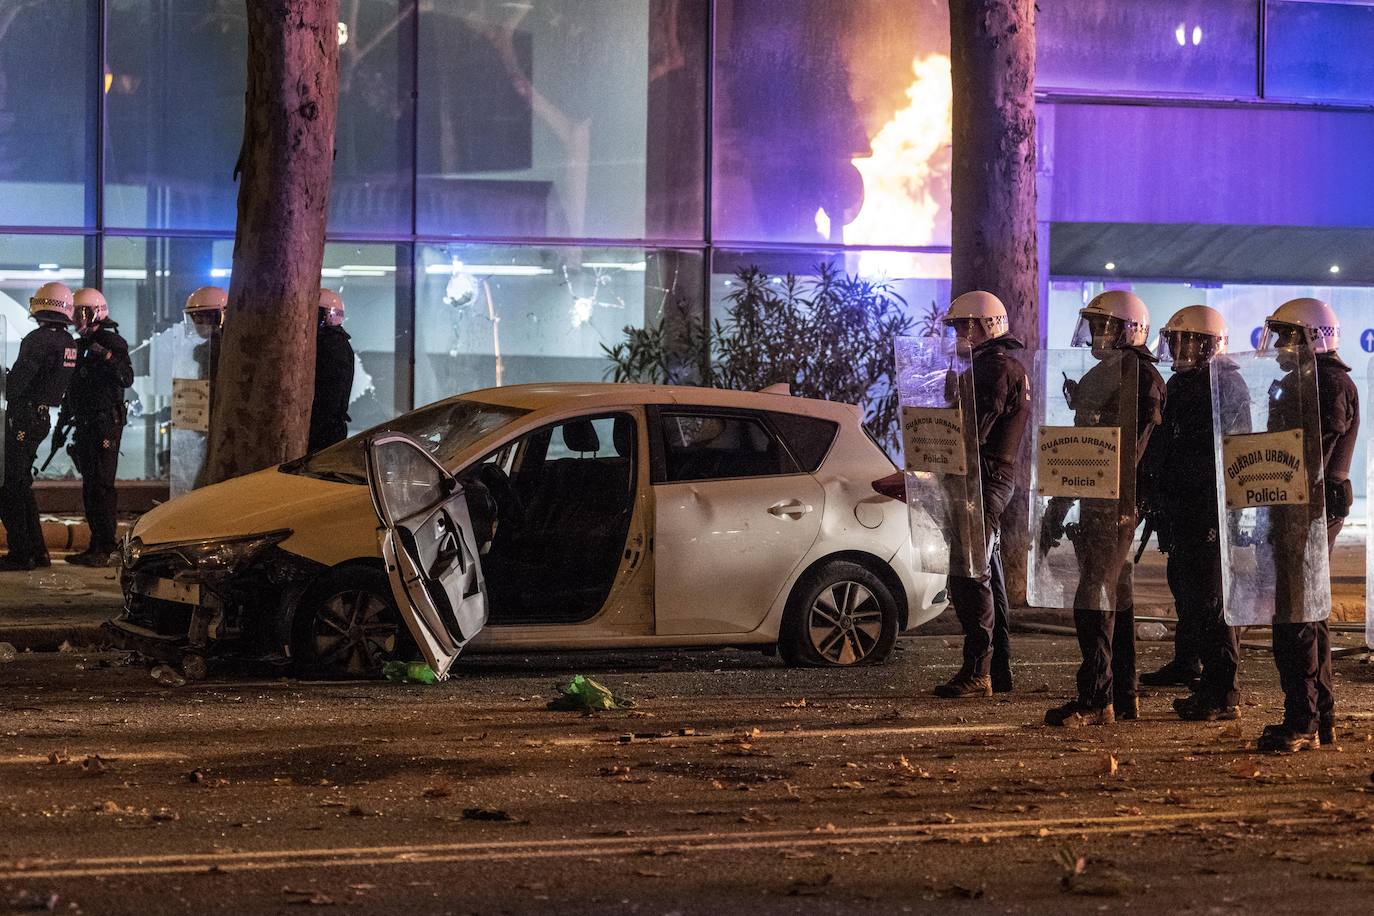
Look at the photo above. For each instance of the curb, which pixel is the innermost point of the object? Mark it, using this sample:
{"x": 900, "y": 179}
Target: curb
{"x": 50, "y": 637}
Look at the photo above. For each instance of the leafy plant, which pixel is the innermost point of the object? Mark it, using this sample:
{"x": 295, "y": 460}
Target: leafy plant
{"x": 829, "y": 336}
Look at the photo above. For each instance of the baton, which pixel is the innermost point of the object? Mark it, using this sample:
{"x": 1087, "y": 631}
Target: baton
{"x": 1145, "y": 538}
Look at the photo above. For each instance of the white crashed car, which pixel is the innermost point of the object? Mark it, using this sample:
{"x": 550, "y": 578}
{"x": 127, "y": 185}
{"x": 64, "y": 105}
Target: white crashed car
{"x": 549, "y": 517}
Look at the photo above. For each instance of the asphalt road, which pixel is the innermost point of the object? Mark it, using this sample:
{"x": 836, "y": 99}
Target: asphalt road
{"x": 733, "y": 785}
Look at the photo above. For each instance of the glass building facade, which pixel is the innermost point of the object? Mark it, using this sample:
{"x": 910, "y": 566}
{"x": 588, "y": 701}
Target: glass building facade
{"x": 515, "y": 184}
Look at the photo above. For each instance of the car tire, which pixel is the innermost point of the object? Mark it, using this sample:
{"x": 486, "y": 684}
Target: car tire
{"x": 839, "y": 615}
{"x": 347, "y": 626}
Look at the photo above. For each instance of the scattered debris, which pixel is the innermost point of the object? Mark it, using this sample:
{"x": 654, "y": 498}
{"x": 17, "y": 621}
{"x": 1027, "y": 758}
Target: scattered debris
{"x": 398, "y": 672}
{"x": 94, "y": 765}
{"x": 486, "y": 814}
{"x": 307, "y": 898}
{"x": 58, "y": 757}
{"x": 360, "y": 811}
{"x": 1245, "y": 769}
{"x": 167, "y": 676}
{"x": 804, "y": 888}
{"x": 7, "y": 653}
{"x": 586, "y": 695}
{"x": 34, "y": 901}
{"x": 1106, "y": 764}
{"x": 795, "y": 704}
{"x": 1105, "y": 881}
{"x": 436, "y": 792}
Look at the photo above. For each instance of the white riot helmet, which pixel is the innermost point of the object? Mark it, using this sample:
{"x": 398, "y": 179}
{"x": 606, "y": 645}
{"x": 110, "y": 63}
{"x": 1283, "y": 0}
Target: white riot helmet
{"x": 331, "y": 309}
{"x": 52, "y": 302}
{"x": 1192, "y": 337}
{"x": 1113, "y": 320}
{"x": 90, "y": 307}
{"x": 1298, "y": 320}
{"x": 977, "y": 309}
{"x": 205, "y": 309}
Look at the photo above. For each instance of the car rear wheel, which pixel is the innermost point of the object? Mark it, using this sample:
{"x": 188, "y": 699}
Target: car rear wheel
{"x": 840, "y": 615}
{"x": 348, "y": 626}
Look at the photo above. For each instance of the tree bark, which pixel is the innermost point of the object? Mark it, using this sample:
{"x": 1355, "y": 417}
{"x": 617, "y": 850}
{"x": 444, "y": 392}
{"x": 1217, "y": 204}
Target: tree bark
{"x": 992, "y": 52}
{"x": 264, "y": 383}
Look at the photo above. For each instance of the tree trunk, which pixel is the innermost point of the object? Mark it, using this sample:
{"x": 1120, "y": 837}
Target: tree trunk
{"x": 992, "y": 51}
{"x": 264, "y": 384}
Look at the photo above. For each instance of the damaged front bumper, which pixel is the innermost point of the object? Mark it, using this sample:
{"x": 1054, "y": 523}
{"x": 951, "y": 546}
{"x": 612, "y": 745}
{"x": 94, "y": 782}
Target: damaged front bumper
{"x": 230, "y": 597}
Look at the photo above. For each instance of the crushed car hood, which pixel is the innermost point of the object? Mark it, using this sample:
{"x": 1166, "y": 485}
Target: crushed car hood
{"x": 329, "y": 518}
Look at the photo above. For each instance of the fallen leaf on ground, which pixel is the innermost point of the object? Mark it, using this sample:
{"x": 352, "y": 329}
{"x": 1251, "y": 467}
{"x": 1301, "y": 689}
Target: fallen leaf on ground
{"x": 57, "y": 757}
{"x": 795, "y": 704}
{"x": 1245, "y": 769}
{"x": 1106, "y": 765}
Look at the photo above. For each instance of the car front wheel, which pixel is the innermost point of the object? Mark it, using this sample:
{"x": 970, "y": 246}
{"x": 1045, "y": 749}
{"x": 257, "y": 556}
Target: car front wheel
{"x": 839, "y": 616}
{"x": 348, "y": 626}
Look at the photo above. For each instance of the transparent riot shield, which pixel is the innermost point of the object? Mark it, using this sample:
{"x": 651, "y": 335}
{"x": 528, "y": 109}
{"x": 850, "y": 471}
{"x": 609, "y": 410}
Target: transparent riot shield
{"x": 1369, "y": 518}
{"x": 944, "y": 494}
{"x": 1274, "y": 565}
{"x": 4, "y": 375}
{"x": 194, "y": 358}
{"x": 1083, "y": 512}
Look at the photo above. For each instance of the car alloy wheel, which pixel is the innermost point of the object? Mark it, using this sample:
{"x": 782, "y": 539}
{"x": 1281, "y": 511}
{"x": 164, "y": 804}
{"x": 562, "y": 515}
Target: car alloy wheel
{"x": 845, "y": 622}
{"x": 353, "y": 632}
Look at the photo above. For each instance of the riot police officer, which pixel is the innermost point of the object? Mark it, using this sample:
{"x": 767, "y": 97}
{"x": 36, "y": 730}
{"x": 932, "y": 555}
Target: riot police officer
{"x": 94, "y": 406}
{"x": 1116, "y": 324}
{"x": 37, "y": 382}
{"x": 333, "y": 374}
{"x": 1182, "y": 508}
{"x": 1001, "y": 394}
{"x": 1302, "y": 650}
{"x": 205, "y": 311}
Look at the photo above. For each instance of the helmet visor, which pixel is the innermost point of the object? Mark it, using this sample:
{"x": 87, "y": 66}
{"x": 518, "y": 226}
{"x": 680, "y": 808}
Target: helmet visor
{"x": 1101, "y": 332}
{"x": 206, "y": 321}
{"x": 1187, "y": 349}
{"x": 1281, "y": 336}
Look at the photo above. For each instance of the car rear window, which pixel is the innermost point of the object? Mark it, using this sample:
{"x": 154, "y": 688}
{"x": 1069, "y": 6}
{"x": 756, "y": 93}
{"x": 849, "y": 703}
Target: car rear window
{"x": 808, "y": 438}
{"x": 710, "y": 446}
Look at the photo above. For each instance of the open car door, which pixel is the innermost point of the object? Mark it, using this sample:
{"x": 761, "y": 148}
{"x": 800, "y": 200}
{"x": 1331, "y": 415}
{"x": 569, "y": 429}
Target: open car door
{"x": 428, "y": 544}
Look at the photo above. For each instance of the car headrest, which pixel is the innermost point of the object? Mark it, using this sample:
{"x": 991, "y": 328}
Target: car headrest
{"x": 580, "y": 436}
{"x": 623, "y": 434}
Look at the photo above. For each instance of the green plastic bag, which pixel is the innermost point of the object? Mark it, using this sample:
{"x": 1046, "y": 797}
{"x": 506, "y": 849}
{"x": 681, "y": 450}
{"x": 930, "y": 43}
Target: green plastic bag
{"x": 584, "y": 694}
{"x": 409, "y": 673}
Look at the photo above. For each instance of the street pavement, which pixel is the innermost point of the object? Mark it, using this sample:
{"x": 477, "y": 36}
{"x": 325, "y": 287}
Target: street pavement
{"x": 732, "y": 785}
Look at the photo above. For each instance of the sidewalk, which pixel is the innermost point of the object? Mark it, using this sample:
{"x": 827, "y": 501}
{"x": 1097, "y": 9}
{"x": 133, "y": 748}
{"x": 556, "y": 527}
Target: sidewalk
{"x": 42, "y": 609}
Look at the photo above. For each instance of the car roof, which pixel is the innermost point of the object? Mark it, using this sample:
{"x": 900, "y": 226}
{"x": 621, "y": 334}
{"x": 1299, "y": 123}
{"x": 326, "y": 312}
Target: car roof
{"x": 592, "y": 395}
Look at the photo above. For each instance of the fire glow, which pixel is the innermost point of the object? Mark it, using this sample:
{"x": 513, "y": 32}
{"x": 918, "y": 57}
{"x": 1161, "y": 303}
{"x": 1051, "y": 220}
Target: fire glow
{"x": 899, "y": 177}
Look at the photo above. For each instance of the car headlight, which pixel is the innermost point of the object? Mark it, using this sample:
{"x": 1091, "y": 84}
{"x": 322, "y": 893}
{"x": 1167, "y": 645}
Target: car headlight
{"x": 220, "y": 556}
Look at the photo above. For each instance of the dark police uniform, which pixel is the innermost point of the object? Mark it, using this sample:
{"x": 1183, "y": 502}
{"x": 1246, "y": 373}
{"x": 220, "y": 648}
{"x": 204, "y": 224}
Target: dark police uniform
{"x": 1179, "y": 471}
{"x": 1001, "y": 393}
{"x": 333, "y": 387}
{"x": 1106, "y": 638}
{"x": 95, "y": 406}
{"x": 1302, "y": 651}
{"x": 37, "y": 382}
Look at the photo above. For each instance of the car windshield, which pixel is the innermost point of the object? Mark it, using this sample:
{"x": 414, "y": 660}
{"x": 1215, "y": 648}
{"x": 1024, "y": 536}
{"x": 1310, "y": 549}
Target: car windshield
{"x": 445, "y": 429}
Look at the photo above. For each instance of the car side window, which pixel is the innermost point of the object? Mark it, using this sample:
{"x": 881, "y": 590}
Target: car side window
{"x": 709, "y": 446}
{"x": 808, "y": 438}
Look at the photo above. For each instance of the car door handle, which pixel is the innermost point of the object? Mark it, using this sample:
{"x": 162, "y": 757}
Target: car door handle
{"x": 792, "y": 508}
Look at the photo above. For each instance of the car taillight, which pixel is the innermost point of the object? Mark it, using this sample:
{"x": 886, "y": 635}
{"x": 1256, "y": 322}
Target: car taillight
{"x": 893, "y": 486}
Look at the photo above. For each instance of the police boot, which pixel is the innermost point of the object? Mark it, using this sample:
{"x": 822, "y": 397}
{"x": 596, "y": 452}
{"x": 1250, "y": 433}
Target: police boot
{"x": 1001, "y": 676}
{"x": 13, "y": 563}
{"x": 1126, "y": 708}
{"x": 965, "y": 685}
{"x": 1171, "y": 675}
{"x": 1076, "y": 715}
{"x": 1197, "y": 708}
{"x": 1326, "y": 732}
{"x": 1280, "y": 739}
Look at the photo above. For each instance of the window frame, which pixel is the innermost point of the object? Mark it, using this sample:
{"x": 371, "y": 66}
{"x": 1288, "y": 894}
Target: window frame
{"x": 658, "y": 459}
